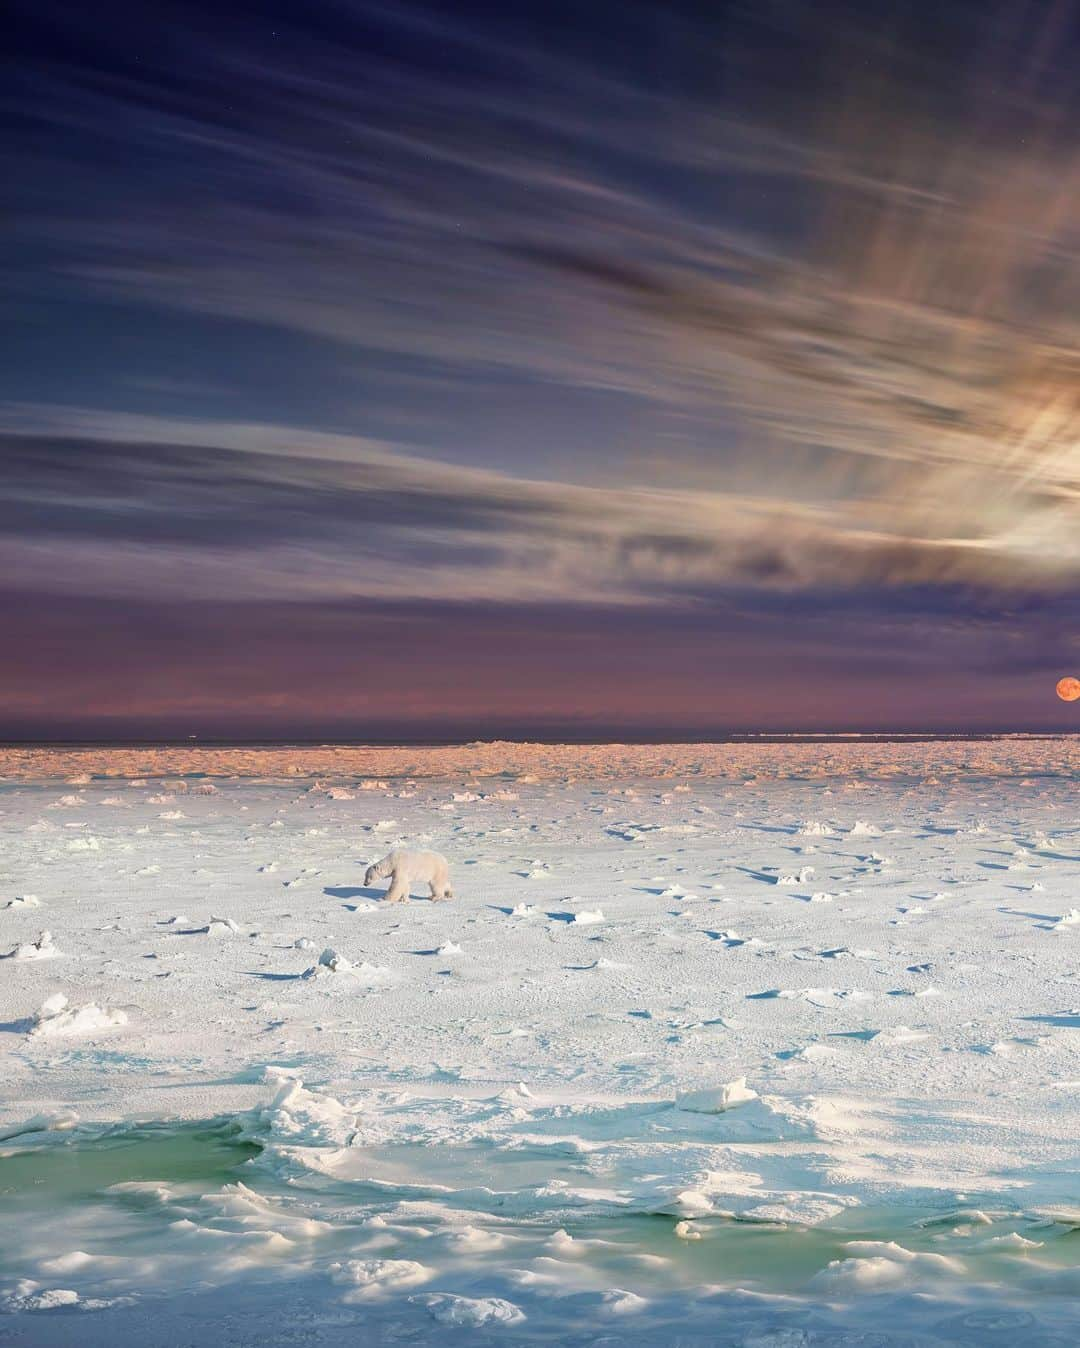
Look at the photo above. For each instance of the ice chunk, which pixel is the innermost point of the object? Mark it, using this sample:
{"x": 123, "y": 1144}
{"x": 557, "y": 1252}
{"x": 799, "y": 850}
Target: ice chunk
{"x": 716, "y": 1099}
{"x": 55, "y": 1019}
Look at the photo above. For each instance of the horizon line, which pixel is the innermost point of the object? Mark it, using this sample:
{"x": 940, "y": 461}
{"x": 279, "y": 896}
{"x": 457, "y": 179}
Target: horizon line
{"x": 549, "y": 738}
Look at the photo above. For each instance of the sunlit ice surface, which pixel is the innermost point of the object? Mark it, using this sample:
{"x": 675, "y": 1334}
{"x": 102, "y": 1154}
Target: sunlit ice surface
{"x": 761, "y": 1045}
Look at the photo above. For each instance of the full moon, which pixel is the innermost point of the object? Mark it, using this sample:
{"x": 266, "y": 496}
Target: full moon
{"x": 1068, "y": 689}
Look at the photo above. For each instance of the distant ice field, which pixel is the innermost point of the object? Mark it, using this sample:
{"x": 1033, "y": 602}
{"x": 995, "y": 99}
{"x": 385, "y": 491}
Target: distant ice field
{"x": 764, "y": 1045}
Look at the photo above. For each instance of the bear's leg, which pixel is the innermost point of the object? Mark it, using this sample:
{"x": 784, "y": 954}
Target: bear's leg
{"x": 398, "y": 891}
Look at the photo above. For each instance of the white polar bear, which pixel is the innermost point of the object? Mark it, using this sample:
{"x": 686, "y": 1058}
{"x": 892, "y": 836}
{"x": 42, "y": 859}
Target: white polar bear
{"x": 405, "y": 867}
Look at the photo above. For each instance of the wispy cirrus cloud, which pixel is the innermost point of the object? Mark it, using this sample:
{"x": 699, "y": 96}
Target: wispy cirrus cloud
{"x": 856, "y": 338}
{"x": 136, "y": 506}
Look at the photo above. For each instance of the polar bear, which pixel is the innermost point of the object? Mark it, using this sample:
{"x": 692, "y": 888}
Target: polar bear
{"x": 405, "y": 868}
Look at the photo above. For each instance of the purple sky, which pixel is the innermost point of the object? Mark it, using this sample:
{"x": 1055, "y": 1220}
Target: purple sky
{"x": 396, "y": 370}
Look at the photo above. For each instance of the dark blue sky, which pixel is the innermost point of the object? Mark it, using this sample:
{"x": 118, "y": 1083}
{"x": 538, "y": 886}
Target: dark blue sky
{"x": 377, "y": 368}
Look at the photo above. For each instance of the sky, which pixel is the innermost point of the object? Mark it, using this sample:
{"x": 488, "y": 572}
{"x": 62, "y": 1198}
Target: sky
{"x": 617, "y": 370}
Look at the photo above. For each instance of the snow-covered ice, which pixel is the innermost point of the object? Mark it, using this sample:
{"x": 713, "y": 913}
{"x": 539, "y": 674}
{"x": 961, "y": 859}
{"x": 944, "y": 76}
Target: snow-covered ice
{"x": 650, "y": 1074}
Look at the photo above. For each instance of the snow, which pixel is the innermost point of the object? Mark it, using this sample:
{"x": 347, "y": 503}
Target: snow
{"x": 367, "y": 1279}
{"x": 716, "y": 1099}
{"x": 55, "y": 1019}
{"x": 637, "y": 1005}
{"x": 471, "y": 1312}
{"x": 43, "y": 948}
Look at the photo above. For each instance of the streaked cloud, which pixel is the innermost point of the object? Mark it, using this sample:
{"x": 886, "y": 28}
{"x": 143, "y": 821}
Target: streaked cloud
{"x": 137, "y": 506}
{"x": 643, "y": 314}
{"x": 902, "y": 298}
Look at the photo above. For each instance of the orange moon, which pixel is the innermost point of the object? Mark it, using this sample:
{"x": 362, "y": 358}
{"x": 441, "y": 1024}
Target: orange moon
{"x": 1068, "y": 689}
